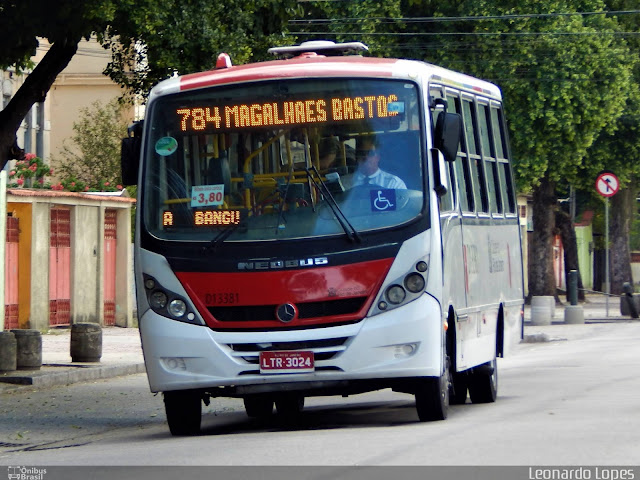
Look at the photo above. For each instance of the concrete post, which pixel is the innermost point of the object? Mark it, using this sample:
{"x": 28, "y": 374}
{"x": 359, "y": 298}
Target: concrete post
{"x": 540, "y": 310}
{"x": 7, "y": 352}
{"x": 28, "y": 349}
{"x": 573, "y": 314}
{"x": 86, "y": 342}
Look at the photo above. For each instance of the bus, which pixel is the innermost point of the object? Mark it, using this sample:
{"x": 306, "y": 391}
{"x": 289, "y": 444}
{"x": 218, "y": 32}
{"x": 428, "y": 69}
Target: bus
{"x": 325, "y": 223}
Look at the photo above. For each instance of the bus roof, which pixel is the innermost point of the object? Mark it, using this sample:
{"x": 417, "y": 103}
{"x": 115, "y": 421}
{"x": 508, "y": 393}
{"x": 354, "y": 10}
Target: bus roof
{"x": 310, "y": 65}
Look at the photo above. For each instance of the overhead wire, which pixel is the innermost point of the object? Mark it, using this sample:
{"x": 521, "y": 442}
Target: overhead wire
{"x": 461, "y": 18}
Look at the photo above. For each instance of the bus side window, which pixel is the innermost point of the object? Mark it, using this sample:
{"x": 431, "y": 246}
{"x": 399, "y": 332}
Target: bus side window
{"x": 475, "y": 160}
{"x": 489, "y": 156}
{"x": 500, "y": 141}
{"x": 461, "y": 171}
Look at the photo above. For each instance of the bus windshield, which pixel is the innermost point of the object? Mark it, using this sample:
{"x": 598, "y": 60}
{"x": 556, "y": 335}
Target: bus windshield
{"x": 284, "y": 159}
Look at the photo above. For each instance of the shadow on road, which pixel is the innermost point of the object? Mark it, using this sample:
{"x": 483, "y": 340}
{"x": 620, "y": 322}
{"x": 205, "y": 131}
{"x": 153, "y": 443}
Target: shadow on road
{"x": 360, "y": 415}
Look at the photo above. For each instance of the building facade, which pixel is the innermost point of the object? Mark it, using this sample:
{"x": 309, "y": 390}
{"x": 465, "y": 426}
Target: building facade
{"x": 68, "y": 255}
{"x": 68, "y": 259}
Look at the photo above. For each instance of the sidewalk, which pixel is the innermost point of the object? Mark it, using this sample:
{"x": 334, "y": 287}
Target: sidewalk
{"x": 122, "y": 351}
{"x": 121, "y": 355}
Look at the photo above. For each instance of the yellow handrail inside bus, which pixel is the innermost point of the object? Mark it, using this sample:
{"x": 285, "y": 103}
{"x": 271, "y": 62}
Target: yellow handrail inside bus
{"x": 247, "y": 164}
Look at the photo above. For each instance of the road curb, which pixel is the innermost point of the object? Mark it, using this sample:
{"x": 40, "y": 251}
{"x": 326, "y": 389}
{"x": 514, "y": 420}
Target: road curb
{"x": 67, "y": 374}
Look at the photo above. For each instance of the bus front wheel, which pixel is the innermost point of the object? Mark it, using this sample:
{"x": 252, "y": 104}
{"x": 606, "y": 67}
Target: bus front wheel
{"x": 432, "y": 398}
{"x": 184, "y": 412}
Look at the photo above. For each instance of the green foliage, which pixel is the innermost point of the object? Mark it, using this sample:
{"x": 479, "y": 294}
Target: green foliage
{"x": 92, "y": 161}
{"x": 72, "y": 184}
{"x": 360, "y": 21}
{"x": 164, "y": 37}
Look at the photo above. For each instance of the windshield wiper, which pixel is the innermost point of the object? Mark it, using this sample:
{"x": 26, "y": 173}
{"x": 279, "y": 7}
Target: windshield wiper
{"x": 349, "y": 229}
{"x": 219, "y": 238}
{"x": 225, "y": 233}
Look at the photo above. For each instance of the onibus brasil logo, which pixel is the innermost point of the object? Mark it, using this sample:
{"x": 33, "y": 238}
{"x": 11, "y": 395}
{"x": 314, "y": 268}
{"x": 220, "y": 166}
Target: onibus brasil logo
{"x": 26, "y": 473}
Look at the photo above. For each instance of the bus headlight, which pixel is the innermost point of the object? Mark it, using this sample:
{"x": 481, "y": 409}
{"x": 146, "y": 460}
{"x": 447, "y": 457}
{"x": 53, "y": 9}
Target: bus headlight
{"x": 167, "y": 303}
{"x": 414, "y": 282}
{"x": 158, "y": 299}
{"x": 404, "y": 288}
{"x": 177, "y": 308}
{"x": 395, "y": 294}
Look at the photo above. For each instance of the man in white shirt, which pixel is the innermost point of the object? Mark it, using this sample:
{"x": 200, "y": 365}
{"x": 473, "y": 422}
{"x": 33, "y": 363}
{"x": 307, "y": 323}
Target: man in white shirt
{"x": 368, "y": 172}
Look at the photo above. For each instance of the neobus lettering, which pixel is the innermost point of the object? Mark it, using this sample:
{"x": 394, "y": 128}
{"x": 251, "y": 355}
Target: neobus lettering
{"x": 279, "y": 264}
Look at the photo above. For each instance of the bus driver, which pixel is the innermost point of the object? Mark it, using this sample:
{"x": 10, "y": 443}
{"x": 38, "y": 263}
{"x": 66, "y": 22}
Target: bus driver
{"x": 368, "y": 172}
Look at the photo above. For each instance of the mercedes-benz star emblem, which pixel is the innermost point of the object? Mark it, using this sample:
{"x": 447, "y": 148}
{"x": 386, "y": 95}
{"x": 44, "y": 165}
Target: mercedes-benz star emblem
{"x": 286, "y": 312}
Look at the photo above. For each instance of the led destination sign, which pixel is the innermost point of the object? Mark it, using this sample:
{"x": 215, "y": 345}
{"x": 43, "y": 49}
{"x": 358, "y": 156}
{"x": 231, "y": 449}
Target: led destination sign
{"x": 299, "y": 112}
{"x": 208, "y": 218}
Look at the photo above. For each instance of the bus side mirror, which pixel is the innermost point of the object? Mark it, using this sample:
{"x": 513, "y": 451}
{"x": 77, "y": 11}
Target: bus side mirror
{"x": 447, "y": 135}
{"x": 130, "y": 154}
{"x": 440, "y": 182}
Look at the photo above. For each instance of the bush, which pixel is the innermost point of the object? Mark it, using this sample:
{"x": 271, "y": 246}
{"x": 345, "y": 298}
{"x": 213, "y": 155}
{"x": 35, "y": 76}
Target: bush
{"x": 30, "y": 173}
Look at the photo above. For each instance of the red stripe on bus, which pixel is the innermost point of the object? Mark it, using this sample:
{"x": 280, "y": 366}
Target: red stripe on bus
{"x": 300, "y": 285}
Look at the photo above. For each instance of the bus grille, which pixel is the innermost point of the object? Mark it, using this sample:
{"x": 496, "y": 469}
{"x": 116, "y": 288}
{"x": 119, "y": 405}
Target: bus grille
{"x": 256, "y": 313}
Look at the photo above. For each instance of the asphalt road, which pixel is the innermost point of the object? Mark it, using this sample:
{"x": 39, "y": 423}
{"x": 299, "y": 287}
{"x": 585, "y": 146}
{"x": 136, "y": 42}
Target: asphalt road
{"x": 573, "y": 400}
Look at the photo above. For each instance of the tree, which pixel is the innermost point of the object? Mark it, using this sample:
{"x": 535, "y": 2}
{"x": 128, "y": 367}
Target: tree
{"x": 93, "y": 158}
{"x": 368, "y": 18}
{"x": 618, "y": 150}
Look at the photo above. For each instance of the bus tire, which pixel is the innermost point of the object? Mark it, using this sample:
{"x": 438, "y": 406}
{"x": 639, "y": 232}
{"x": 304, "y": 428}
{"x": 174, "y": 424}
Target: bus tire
{"x": 289, "y": 405}
{"x": 258, "y": 406}
{"x": 432, "y": 398}
{"x": 483, "y": 383}
{"x": 458, "y": 392}
{"x": 184, "y": 412}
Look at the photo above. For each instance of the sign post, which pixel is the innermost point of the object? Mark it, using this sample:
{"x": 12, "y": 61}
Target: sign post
{"x": 607, "y": 185}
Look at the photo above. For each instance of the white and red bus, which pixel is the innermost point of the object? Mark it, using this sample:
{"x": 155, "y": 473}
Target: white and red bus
{"x": 324, "y": 224}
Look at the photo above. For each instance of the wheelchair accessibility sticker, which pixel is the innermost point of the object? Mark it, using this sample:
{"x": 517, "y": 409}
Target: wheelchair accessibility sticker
{"x": 383, "y": 200}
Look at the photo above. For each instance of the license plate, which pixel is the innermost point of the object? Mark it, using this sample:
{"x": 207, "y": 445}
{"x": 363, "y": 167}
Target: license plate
{"x": 286, "y": 362}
